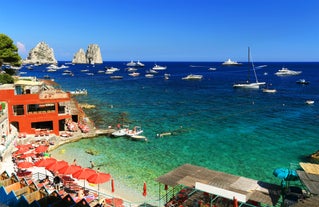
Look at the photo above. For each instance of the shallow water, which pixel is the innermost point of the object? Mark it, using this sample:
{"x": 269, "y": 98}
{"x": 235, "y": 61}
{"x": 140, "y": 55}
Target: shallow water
{"x": 243, "y": 132}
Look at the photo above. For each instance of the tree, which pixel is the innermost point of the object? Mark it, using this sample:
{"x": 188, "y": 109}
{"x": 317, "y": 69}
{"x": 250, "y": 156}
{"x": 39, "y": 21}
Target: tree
{"x": 6, "y": 78}
{"x": 8, "y": 51}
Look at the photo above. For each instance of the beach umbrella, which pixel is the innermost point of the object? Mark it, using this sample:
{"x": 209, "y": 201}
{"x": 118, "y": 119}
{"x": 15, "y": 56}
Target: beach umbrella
{"x": 99, "y": 178}
{"x": 83, "y": 174}
{"x": 21, "y": 151}
{"x": 31, "y": 154}
{"x": 56, "y": 166}
{"x": 41, "y": 149}
{"x": 45, "y": 162}
{"x": 25, "y": 164}
{"x": 112, "y": 185}
{"x": 69, "y": 169}
{"x": 144, "y": 189}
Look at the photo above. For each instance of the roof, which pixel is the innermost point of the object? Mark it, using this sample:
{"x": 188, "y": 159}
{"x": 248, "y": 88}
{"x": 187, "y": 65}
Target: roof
{"x": 205, "y": 179}
{"x": 28, "y": 83}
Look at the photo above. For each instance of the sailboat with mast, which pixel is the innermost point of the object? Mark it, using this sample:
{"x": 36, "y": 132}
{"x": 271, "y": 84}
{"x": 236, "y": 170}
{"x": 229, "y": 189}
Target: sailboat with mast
{"x": 248, "y": 84}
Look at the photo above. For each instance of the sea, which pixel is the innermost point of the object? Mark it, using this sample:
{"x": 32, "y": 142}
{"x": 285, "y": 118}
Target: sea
{"x": 244, "y": 132}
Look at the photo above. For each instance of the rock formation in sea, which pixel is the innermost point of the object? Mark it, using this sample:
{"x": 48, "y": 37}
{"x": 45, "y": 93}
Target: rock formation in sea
{"x": 41, "y": 54}
{"x": 79, "y": 57}
{"x": 92, "y": 55}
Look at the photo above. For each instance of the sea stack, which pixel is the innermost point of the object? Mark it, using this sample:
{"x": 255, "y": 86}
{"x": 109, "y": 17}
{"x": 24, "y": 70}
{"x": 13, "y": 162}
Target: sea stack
{"x": 41, "y": 54}
{"x": 92, "y": 55}
{"x": 79, "y": 57}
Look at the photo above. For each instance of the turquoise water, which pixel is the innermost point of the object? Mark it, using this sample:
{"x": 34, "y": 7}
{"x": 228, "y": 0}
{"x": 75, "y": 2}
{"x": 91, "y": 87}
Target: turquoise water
{"x": 243, "y": 132}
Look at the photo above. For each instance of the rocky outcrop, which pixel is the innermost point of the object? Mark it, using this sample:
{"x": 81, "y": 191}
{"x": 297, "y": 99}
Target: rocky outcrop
{"x": 41, "y": 54}
{"x": 92, "y": 55}
{"x": 79, "y": 57}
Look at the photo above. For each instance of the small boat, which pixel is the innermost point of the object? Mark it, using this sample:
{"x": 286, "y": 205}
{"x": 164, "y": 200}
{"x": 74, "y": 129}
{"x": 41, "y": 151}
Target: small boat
{"x": 193, "y": 77}
{"x": 84, "y": 70}
{"x": 158, "y": 67}
{"x": 211, "y": 68}
{"x": 166, "y": 76}
{"x": 137, "y": 130}
{"x": 131, "y": 64}
{"x": 134, "y": 74}
{"x": 267, "y": 90}
{"x": 138, "y": 138}
{"x": 247, "y": 84}
{"x": 302, "y": 81}
{"x": 285, "y": 72}
{"x": 148, "y": 75}
{"x": 116, "y": 77}
{"x": 131, "y": 69}
{"x": 120, "y": 133}
{"x": 310, "y": 102}
{"x": 229, "y": 62}
{"x": 111, "y": 69}
{"x": 139, "y": 64}
{"x": 79, "y": 92}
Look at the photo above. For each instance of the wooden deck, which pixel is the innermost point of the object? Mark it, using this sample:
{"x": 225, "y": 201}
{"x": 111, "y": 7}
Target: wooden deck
{"x": 251, "y": 190}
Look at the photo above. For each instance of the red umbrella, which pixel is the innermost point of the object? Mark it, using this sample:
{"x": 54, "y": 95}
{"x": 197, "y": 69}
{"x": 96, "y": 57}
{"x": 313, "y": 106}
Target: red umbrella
{"x": 31, "y": 154}
{"x": 99, "y": 178}
{"x": 45, "y": 162}
{"x": 56, "y": 166}
{"x": 23, "y": 165}
{"x": 69, "y": 169}
{"x": 84, "y": 173}
{"x": 41, "y": 149}
{"x": 144, "y": 189}
{"x": 21, "y": 151}
{"x": 112, "y": 186}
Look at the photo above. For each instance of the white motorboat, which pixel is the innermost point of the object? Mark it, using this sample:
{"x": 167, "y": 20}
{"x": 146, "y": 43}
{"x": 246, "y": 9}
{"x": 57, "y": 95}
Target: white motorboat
{"x": 285, "y": 71}
{"x": 159, "y": 67}
{"x": 116, "y": 77}
{"x": 229, "y": 62}
{"x": 247, "y": 84}
{"x": 79, "y": 92}
{"x": 131, "y": 64}
{"x": 139, "y": 138}
{"x": 134, "y": 74}
{"x": 139, "y": 64}
{"x": 149, "y": 75}
{"x": 166, "y": 76}
{"x": 310, "y": 102}
{"x": 120, "y": 132}
{"x": 193, "y": 77}
{"x": 267, "y": 90}
{"x": 302, "y": 81}
{"x": 112, "y": 69}
{"x": 137, "y": 130}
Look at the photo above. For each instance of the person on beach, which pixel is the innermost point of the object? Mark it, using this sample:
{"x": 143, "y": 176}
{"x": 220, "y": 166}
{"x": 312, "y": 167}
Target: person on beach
{"x": 56, "y": 182}
{"x": 92, "y": 164}
{"x": 74, "y": 162}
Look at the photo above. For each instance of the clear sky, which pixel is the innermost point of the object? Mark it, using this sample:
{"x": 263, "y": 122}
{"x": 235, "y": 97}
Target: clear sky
{"x": 167, "y": 30}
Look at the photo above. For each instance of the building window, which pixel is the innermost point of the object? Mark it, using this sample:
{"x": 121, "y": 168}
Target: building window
{"x": 18, "y": 110}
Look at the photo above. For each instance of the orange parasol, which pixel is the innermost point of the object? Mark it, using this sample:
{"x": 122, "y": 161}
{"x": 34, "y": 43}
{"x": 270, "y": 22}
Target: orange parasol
{"x": 41, "y": 149}
{"x": 45, "y": 162}
{"x": 56, "y": 166}
{"x": 24, "y": 165}
{"x": 144, "y": 189}
{"x": 69, "y": 169}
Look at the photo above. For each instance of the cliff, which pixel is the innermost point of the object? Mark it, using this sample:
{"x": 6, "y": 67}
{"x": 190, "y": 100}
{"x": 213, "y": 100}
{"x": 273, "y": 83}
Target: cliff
{"x": 41, "y": 54}
{"x": 92, "y": 55}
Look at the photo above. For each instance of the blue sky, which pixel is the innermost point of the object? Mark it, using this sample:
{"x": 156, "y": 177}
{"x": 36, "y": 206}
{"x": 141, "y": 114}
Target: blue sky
{"x": 167, "y": 30}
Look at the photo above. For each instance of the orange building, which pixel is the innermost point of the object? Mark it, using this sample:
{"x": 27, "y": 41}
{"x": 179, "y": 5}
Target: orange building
{"x": 35, "y": 105}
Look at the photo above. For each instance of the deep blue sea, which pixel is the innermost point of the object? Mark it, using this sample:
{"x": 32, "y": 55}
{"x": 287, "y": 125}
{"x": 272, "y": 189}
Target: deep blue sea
{"x": 238, "y": 131}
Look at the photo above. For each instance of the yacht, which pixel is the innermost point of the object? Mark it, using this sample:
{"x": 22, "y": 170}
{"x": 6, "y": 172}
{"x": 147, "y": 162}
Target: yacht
{"x": 158, "y": 67}
{"x": 229, "y": 62}
{"x": 286, "y": 71}
{"x": 139, "y": 64}
{"x": 131, "y": 64}
{"x": 193, "y": 77}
